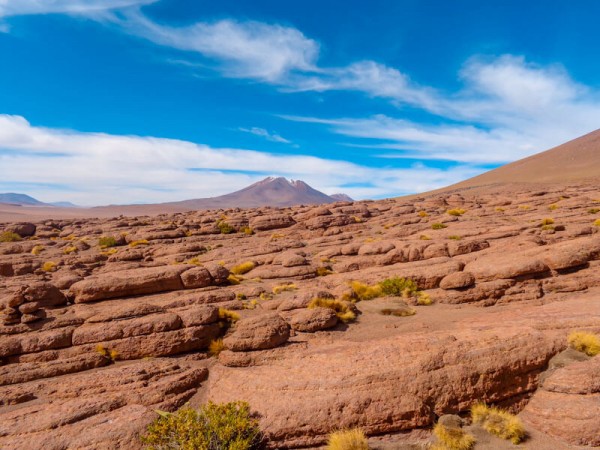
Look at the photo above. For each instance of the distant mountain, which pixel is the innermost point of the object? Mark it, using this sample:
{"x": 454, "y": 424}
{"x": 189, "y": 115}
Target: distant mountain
{"x": 341, "y": 198}
{"x": 25, "y": 200}
{"x": 269, "y": 192}
{"x": 19, "y": 199}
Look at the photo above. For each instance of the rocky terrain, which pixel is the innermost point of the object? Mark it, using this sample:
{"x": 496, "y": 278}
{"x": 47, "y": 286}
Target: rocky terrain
{"x": 106, "y": 320}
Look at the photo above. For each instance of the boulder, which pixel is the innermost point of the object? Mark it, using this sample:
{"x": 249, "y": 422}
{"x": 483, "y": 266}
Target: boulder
{"x": 311, "y": 320}
{"x": 457, "y": 280}
{"x": 258, "y": 333}
{"x": 271, "y": 222}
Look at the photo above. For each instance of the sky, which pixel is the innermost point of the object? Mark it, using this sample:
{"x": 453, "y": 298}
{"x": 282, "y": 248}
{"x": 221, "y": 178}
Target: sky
{"x": 146, "y": 101}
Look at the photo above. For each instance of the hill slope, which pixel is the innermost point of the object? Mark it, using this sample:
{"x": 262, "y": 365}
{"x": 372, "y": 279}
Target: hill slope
{"x": 575, "y": 160}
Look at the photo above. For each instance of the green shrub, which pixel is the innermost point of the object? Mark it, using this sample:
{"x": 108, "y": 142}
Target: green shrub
{"x": 399, "y": 287}
{"x": 107, "y": 242}
{"x": 227, "y": 426}
{"x": 9, "y": 236}
{"x": 224, "y": 227}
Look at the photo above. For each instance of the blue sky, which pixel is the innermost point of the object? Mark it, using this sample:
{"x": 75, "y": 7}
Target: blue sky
{"x": 121, "y": 101}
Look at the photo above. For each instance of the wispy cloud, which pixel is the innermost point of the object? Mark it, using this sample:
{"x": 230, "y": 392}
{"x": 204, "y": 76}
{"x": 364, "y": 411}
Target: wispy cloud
{"x": 98, "y": 168}
{"x": 85, "y": 7}
{"x": 273, "y": 137}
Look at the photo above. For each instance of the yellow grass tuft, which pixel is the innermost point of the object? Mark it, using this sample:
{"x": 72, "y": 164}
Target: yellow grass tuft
{"x": 424, "y": 237}
{"x": 553, "y": 207}
{"x": 243, "y": 268}
{"x": 424, "y": 299}
{"x": 227, "y": 315}
{"x": 450, "y": 438}
{"x": 587, "y": 343}
{"x": 215, "y": 347}
{"x": 547, "y": 221}
{"x": 70, "y": 249}
{"x": 195, "y": 261}
{"x": 398, "y": 312}
{"x": 234, "y": 280}
{"x": 138, "y": 243}
{"x": 49, "y": 266}
{"x": 323, "y": 271}
{"x": 597, "y": 222}
{"x": 37, "y": 250}
{"x": 423, "y": 214}
{"x": 342, "y": 310}
{"x": 456, "y": 211}
{"x": 363, "y": 291}
{"x": 438, "y": 226}
{"x": 498, "y": 422}
{"x": 284, "y": 287}
{"x": 9, "y": 236}
{"x": 352, "y": 439}
{"x": 500, "y": 209}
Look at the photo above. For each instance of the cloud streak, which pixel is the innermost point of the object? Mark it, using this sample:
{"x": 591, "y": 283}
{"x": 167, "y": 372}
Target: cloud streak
{"x": 99, "y": 168}
{"x": 261, "y": 132}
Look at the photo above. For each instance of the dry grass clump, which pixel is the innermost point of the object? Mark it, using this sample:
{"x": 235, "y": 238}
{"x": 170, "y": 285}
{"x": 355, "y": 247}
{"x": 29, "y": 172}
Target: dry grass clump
{"x": 399, "y": 287}
{"x": 342, "y": 309}
{"x": 113, "y": 355}
{"x": 363, "y": 291}
{"x": 37, "y": 250}
{"x": 438, "y": 226}
{"x": 553, "y": 207}
{"x": 214, "y": 426}
{"x": 247, "y": 231}
{"x": 234, "y": 280}
{"x": 455, "y": 237}
{"x": 424, "y": 299}
{"x": 423, "y": 214}
{"x": 284, "y": 287}
{"x": 587, "y": 343}
{"x": 498, "y": 422}
{"x": 456, "y": 211}
{"x": 224, "y": 227}
{"x": 547, "y": 221}
{"x": 215, "y": 347}
{"x": 49, "y": 266}
{"x": 138, "y": 243}
{"x": 107, "y": 242}
{"x": 243, "y": 268}
{"x": 597, "y": 222}
{"x": 9, "y": 236}
{"x": 110, "y": 251}
{"x": 424, "y": 237}
{"x": 398, "y": 312}
{"x": 195, "y": 261}
{"x": 498, "y": 209}
{"x": 450, "y": 438}
{"x": 593, "y": 210}
{"x": 323, "y": 271}
{"x": 352, "y": 439}
{"x": 70, "y": 249}
{"x": 228, "y": 316}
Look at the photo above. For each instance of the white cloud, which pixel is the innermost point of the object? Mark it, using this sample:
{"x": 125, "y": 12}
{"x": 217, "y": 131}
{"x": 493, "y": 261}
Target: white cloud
{"x": 273, "y": 137}
{"x": 507, "y": 109}
{"x": 85, "y": 7}
{"x": 247, "y": 49}
{"x": 98, "y": 168}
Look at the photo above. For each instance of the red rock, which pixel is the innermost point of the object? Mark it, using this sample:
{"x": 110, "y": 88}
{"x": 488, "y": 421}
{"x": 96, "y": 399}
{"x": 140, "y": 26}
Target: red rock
{"x": 197, "y": 277}
{"x": 457, "y": 280}
{"x": 271, "y": 222}
{"x": 258, "y": 333}
{"x": 311, "y": 320}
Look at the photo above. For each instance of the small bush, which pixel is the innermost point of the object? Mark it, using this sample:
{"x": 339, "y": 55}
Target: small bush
{"x": 353, "y": 439}
{"x": 70, "y": 249}
{"x": 215, "y": 347}
{"x": 227, "y": 316}
{"x": 456, "y": 212}
{"x": 107, "y": 242}
{"x": 49, "y": 266}
{"x": 547, "y": 221}
{"x": 597, "y": 222}
{"x": 224, "y": 227}
{"x": 398, "y": 312}
{"x": 247, "y": 230}
{"x": 342, "y": 310}
{"x": 9, "y": 236}
{"x": 399, "y": 287}
{"x": 323, "y": 271}
{"x": 227, "y": 426}
{"x": 363, "y": 291}
{"x": 37, "y": 250}
{"x": 243, "y": 268}
{"x": 455, "y": 237}
{"x": 438, "y": 226}
{"x": 498, "y": 422}
{"x": 593, "y": 210}
{"x": 450, "y": 438}
{"x": 138, "y": 243}
{"x": 424, "y": 299}
{"x": 423, "y": 214}
{"x": 587, "y": 343}
{"x": 284, "y": 287}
